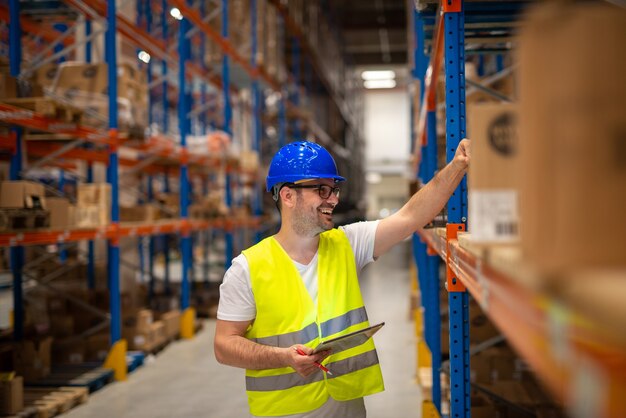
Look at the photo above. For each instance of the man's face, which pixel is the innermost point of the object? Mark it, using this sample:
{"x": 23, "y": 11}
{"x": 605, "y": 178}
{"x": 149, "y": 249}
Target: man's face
{"x": 313, "y": 214}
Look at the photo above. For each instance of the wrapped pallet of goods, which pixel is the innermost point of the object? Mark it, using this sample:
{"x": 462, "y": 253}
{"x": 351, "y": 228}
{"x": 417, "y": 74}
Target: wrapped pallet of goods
{"x": 86, "y": 86}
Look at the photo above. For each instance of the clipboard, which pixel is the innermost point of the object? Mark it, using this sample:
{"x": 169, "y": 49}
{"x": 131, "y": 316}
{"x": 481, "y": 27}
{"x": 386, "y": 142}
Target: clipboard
{"x": 347, "y": 341}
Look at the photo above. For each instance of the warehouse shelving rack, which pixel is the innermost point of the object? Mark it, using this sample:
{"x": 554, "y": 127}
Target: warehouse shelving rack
{"x": 579, "y": 359}
{"x": 104, "y": 146}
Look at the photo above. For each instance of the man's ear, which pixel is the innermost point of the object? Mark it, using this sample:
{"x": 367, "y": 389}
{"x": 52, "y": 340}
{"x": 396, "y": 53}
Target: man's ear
{"x": 288, "y": 197}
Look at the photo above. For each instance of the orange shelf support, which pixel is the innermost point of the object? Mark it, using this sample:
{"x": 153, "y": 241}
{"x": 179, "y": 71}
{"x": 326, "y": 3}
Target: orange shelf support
{"x": 453, "y": 282}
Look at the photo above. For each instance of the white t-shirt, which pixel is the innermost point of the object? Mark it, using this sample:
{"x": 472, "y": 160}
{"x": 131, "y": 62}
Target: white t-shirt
{"x": 236, "y": 298}
{"x": 237, "y": 302}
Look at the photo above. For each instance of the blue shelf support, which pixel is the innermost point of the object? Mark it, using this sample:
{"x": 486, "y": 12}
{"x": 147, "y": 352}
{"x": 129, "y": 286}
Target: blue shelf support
{"x": 184, "y": 107}
{"x": 183, "y": 110}
{"x": 151, "y": 241}
{"x": 427, "y": 265}
{"x": 17, "y": 253}
{"x": 457, "y": 213}
{"x": 228, "y": 236}
{"x": 257, "y": 127}
{"x": 297, "y": 75}
{"x": 282, "y": 120}
{"x": 91, "y": 252}
{"x": 117, "y": 356}
{"x": 165, "y": 242}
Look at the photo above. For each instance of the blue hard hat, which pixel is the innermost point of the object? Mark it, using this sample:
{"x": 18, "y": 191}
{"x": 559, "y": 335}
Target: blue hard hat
{"x": 301, "y": 160}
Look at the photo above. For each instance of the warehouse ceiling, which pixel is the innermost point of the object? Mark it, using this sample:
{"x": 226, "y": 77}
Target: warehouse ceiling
{"x": 373, "y": 32}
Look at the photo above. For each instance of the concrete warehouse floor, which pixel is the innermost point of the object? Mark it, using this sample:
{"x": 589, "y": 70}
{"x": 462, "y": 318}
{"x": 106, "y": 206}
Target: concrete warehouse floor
{"x": 185, "y": 380}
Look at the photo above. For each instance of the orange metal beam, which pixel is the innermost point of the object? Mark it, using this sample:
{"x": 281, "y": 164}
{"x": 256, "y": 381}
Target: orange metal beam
{"x": 29, "y": 119}
{"x": 30, "y": 27}
{"x": 524, "y": 317}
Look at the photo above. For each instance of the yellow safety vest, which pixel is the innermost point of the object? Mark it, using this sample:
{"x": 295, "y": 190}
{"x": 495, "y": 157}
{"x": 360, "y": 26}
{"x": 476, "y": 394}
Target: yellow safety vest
{"x": 287, "y": 315}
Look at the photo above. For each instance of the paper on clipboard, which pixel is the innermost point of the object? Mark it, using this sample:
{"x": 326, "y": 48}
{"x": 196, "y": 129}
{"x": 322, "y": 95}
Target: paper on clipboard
{"x": 347, "y": 341}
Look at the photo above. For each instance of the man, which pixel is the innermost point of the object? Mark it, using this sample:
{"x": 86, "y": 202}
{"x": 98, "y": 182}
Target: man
{"x": 285, "y": 294}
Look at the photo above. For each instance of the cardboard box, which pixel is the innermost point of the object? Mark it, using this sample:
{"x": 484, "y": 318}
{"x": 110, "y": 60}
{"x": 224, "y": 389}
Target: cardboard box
{"x": 157, "y": 331}
{"x": 61, "y": 216}
{"x": 22, "y": 194}
{"x": 8, "y": 86}
{"x": 572, "y": 148}
{"x": 91, "y": 216}
{"x": 31, "y": 359}
{"x": 11, "y": 395}
{"x": 171, "y": 320}
{"x": 62, "y": 325}
{"x": 94, "y": 194}
{"x": 493, "y": 211}
{"x": 144, "y": 320}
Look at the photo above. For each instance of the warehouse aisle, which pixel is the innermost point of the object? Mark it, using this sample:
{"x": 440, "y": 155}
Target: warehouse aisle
{"x": 186, "y": 381}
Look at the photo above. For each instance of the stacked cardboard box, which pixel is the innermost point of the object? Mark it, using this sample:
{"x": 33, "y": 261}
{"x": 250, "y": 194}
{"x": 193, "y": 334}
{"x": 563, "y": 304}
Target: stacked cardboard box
{"x": 62, "y": 212}
{"x": 171, "y": 321}
{"x": 31, "y": 358}
{"x": 86, "y": 86}
{"x": 22, "y": 194}
{"x": 11, "y": 394}
{"x": 23, "y": 205}
{"x": 493, "y": 211}
{"x": 572, "y": 144}
{"x": 93, "y": 205}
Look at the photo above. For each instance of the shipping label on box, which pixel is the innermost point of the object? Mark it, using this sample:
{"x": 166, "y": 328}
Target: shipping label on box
{"x": 493, "y": 215}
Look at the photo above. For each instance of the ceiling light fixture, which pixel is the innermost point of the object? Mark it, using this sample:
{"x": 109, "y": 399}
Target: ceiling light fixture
{"x": 378, "y": 75}
{"x": 379, "y": 84}
{"x": 176, "y": 14}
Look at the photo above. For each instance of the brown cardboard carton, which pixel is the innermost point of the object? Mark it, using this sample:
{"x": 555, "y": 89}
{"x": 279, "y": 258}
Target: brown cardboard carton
{"x": 60, "y": 213}
{"x": 144, "y": 320}
{"x": 171, "y": 320}
{"x": 8, "y": 86}
{"x": 493, "y": 211}
{"x": 94, "y": 194}
{"x": 31, "y": 359}
{"x": 572, "y": 136}
{"x": 11, "y": 395}
{"x": 22, "y": 194}
{"x": 157, "y": 331}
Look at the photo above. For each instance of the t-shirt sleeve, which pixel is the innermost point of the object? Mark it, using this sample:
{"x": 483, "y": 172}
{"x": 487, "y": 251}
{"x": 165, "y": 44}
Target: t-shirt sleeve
{"x": 361, "y": 236}
{"x": 236, "y": 298}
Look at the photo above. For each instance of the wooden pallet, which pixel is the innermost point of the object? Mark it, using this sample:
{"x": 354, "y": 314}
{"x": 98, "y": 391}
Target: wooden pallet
{"x": 23, "y": 219}
{"x": 48, "y": 107}
{"x": 47, "y": 402}
{"x": 88, "y": 375}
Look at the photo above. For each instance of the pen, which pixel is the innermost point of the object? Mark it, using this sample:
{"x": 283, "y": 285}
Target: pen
{"x": 302, "y": 353}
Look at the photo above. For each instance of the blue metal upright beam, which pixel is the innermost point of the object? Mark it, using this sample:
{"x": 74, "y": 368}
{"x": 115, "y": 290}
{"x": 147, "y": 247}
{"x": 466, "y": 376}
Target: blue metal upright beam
{"x": 184, "y": 106}
{"x": 151, "y": 249}
{"x": 427, "y": 265}
{"x": 455, "y": 131}
{"x": 297, "y": 76}
{"x": 164, "y": 12}
{"x": 228, "y": 236}
{"x": 91, "y": 255}
{"x": 17, "y": 253}
{"x": 165, "y": 243}
{"x": 112, "y": 176}
{"x": 257, "y": 197}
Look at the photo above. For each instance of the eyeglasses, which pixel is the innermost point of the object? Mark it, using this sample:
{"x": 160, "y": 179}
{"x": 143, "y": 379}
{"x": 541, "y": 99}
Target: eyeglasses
{"x": 323, "y": 190}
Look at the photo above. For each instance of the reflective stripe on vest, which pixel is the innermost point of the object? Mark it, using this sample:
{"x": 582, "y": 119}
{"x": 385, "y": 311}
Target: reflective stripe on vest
{"x": 340, "y": 323}
{"x": 289, "y": 380}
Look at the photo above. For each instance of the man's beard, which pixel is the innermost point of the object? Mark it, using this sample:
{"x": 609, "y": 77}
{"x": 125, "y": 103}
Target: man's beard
{"x": 308, "y": 221}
